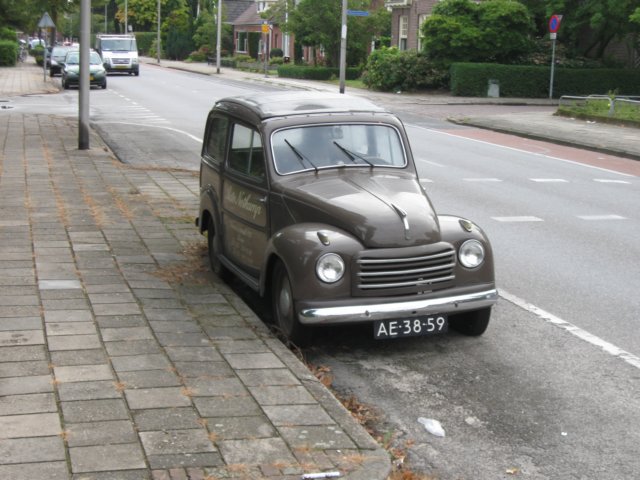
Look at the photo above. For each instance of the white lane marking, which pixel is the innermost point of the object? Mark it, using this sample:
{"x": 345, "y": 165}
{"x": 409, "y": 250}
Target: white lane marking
{"x": 518, "y": 219}
{"x": 608, "y": 180}
{"x": 426, "y": 180}
{"x": 601, "y": 217}
{"x": 522, "y": 151}
{"x": 481, "y": 180}
{"x": 435, "y": 164}
{"x": 609, "y": 348}
{"x": 192, "y": 137}
{"x": 549, "y": 180}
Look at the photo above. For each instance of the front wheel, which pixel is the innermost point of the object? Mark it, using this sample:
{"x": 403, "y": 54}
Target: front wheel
{"x": 473, "y": 323}
{"x": 213, "y": 244}
{"x": 284, "y": 313}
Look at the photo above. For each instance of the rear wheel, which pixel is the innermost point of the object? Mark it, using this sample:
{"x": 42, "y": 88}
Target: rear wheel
{"x": 473, "y": 323}
{"x": 213, "y": 243}
{"x": 284, "y": 313}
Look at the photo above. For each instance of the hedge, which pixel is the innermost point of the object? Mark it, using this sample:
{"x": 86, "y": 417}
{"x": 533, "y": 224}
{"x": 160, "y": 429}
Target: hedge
{"x": 316, "y": 73}
{"x": 471, "y": 80}
{"x": 8, "y": 53}
{"x": 145, "y": 40}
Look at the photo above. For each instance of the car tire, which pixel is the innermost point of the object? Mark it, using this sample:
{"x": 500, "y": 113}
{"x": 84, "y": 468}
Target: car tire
{"x": 104, "y": 85}
{"x": 283, "y": 306}
{"x": 473, "y": 323}
{"x": 213, "y": 244}
{"x": 65, "y": 85}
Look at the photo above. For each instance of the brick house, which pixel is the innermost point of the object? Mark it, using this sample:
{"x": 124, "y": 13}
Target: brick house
{"x": 406, "y": 18}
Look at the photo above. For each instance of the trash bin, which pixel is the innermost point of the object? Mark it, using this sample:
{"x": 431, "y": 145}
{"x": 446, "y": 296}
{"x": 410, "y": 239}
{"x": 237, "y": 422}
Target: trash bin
{"x": 493, "y": 89}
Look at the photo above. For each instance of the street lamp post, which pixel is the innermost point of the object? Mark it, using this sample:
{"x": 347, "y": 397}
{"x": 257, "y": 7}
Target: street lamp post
{"x": 158, "y": 46}
{"x": 219, "y": 35}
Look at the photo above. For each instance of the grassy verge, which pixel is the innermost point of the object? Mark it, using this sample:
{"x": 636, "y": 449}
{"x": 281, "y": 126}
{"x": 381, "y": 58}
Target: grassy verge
{"x": 600, "y": 110}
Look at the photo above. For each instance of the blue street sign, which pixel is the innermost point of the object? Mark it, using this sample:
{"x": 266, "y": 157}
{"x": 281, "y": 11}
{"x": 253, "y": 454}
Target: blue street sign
{"x": 358, "y": 13}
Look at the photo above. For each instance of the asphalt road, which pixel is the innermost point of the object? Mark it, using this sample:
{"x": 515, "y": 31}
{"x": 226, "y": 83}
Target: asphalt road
{"x": 543, "y": 394}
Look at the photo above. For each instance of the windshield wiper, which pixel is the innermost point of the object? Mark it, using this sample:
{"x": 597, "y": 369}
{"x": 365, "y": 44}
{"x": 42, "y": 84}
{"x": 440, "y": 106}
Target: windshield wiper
{"x": 301, "y": 158}
{"x": 352, "y": 156}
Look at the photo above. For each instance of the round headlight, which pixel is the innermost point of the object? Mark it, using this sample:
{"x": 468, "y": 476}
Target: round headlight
{"x": 471, "y": 254}
{"x": 330, "y": 268}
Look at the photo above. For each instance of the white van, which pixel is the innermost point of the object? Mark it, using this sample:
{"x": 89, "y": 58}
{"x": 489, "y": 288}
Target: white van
{"x": 119, "y": 53}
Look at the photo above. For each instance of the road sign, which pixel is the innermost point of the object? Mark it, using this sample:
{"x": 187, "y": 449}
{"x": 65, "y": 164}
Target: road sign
{"x": 358, "y": 13}
{"x": 554, "y": 23}
{"x": 46, "y": 22}
{"x": 265, "y": 28}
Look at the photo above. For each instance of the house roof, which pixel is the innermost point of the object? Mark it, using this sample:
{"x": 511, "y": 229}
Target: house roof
{"x": 249, "y": 16}
{"x": 235, "y": 8}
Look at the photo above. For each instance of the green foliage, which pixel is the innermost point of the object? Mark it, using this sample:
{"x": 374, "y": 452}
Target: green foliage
{"x": 316, "y": 73}
{"x": 145, "y": 40}
{"x": 471, "y": 79}
{"x": 276, "y": 52}
{"x": 8, "y": 34}
{"x": 254, "y": 42}
{"x": 601, "y": 109}
{"x": 8, "y": 53}
{"x": 390, "y": 69}
{"x": 38, "y": 54}
{"x": 178, "y": 35}
{"x": 488, "y": 31}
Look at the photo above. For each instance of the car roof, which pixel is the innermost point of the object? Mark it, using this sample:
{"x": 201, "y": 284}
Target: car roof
{"x": 279, "y": 104}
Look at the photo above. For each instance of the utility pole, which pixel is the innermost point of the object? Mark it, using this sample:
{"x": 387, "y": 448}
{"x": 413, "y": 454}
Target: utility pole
{"x": 343, "y": 46}
{"x": 84, "y": 85}
{"x": 158, "y": 46}
{"x": 219, "y": 35}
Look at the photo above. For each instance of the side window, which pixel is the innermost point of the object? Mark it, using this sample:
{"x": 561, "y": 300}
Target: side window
{"x": 246, "y": 155}
{"x": 217, "y": 138}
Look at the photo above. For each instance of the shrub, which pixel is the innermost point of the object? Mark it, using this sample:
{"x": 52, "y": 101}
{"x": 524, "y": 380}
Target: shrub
{"x": 8, "y": 53}
{"x": 38, "y": 54}
{"x": 145, "y": 41}
{"x": 390, "y": 69}
{"x": 471, "y": 79}
{"x": 316, "y": 73}
{"x": 276, "y": 61}
{"x": 276, "y": 52}
{"x": 8, "y": 34}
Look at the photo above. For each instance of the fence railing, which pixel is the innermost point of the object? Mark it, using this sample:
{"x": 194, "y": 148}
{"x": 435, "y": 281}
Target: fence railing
{"x": 615, "y": 103}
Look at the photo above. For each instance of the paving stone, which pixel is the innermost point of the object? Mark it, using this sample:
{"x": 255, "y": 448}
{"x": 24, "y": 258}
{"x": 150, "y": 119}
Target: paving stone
{"x": 185, "y": 461}
{"x": 119, "y": 287}
{"x": 115, "y": 475}
{"x": 256, "y": 451}
{"x": 264, "y": 377}
{"x": 31, "y": 450}
{"x": 106, "y": 458}
{"x": 138, "y": 347}
{"x": 156, "y": 398}
{"x": 241, "y": 346}
{"x": 65, "y": 304}
{"x": 30, "y": 403}
{"x": 193, "y": 354}
{"x": 149, "y": 379}
{"x": 227, "y": 406}
{"x": 59, "y": 284}
{"x": 100, "y": 433}
{"x": 104, "y": 389}
{"x": 19, "y": 311}
{"x": 83, "y": 373}
{"x": 74, "y": 342}
{"x": 30, "y": 425}
{"x": 121, "y": 321}
{"x": 167, "y": 418}
{"x": 230, "y": 333}
{"x": 241, "y": 361}
{"x": 114, "y": 297}
{"x": 20, "y": 369}
{"x": 291, "y": 415}
{"x": 168, "y": 442}
{"x": 167, "y": 314}
{"x": 78, "y": 357}
{"x": 19, "y": 300}
{"x": 175, "y": 327}
{"x": 128, "y": 333}
{"x": 31, "y": 384}
{"x": 216, "y": 387}
{"x": 32, "y": 471}
{"x": 68, "y": 316}
{"x": 22, "y": 354}
{"x": 316, "y": 437}
{"x": 116, "y": 309}
{"x": 70, "y": 328}
{"x": 128, "y": 363}
{"x": 21, "y": 337}
{"x": 94, "y": 410}
{"x": 20, "y": 323}
{"x": 281, "y": 395}
{"x": 233, "y": 428}
{"x": 182, "y": 339}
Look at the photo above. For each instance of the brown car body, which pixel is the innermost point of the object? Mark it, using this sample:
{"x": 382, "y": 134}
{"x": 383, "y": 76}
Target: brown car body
{"x": 269, "y": 224}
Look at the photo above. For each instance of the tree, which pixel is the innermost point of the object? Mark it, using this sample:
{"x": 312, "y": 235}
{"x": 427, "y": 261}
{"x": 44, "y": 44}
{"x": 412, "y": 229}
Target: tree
{"x": 489, "y": 31}
{"x": 596, "y": 21}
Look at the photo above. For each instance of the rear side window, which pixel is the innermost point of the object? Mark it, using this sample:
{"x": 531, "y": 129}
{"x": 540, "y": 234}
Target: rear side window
{"x": 217, "y": 138}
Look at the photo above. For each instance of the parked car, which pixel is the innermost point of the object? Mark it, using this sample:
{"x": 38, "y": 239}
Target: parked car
{"x": 71, "y": 70}
{"x": 56, "y": 59}
{"x": 314, "y": 201}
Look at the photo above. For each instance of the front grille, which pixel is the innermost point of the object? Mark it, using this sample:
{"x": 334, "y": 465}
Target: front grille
{"x": 120, "y": 61}
{"x": 404, "y": 270}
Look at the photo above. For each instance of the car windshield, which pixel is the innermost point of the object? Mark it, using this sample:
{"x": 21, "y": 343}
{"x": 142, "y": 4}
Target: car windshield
{"x": 125, "y": 44}
{"x": 336, "y": 146}
{"x": 73, "y": 58}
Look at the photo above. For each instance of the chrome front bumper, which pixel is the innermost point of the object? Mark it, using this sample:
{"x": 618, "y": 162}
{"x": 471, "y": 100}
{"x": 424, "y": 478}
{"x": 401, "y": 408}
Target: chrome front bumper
{"x": 397, "y": 310}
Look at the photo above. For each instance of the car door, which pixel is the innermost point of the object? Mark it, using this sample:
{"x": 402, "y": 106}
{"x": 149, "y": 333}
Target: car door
{"x": 244, "y": 200}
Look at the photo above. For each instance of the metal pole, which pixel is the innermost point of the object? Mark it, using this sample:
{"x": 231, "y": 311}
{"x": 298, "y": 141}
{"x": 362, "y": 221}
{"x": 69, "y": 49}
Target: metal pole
{"x": 158, "y": 46}
{"x": 343, "y": 46}
{"x": 85, "y": 30}
{"x": 553, "y": 64}
{"x": 105, "y": 18}
{"x": 126, "y": 16}
{"x": 219, "y": 36}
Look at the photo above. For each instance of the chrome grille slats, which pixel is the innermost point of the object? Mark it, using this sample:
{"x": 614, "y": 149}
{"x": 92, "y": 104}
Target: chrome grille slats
{"x": 404, "y": 270}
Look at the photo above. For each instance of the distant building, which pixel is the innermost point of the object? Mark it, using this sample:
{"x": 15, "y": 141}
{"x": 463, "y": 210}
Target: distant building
{"x": 406, "y": 18}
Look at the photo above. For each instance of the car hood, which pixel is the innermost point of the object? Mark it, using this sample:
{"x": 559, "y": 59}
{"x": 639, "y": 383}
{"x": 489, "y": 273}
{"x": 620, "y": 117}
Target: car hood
{"x": 76, "y": 68}
{"x": 380, "y": 209}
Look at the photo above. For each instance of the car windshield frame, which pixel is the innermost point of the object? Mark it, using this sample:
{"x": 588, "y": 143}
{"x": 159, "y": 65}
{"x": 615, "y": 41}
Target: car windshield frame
{"x": 94, "y": 58}
{"x": 322, "y": 146}
{"x": 118, "y": 44}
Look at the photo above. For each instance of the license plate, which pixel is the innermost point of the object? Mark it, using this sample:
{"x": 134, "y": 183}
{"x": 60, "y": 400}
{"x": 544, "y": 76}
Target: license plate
{"x": 410, "y": 327}
{"x": 91, "y": 78}
{"x": 120, "y": 66}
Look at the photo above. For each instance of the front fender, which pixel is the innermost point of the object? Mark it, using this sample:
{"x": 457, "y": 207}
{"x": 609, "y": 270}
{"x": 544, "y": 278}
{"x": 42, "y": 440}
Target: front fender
{"x": 299, "y": 247}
